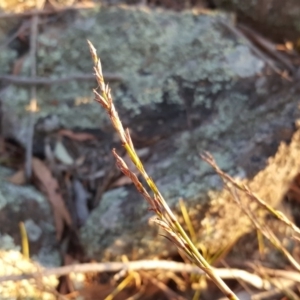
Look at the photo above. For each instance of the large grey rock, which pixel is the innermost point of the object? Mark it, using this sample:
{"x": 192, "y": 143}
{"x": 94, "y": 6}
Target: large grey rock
{"x": 25, "y": 204}
{"x": 165, "y": 59}
{"x": 242, "y": 118}
{"x": 242, "y": 135}
{"x": 187, "y": 85}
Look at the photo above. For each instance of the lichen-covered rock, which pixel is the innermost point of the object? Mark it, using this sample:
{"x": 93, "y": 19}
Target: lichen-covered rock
{"x": 187, "y": 85}
{"x": 27, "y": 205}
{"x": 165, "y": 59}
{"x": 275, "y": 18}
{"x": 244, "y": 130}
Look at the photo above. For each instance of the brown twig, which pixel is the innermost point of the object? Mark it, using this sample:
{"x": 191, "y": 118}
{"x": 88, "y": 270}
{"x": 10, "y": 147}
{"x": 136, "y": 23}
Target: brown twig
{"x": 275, "y": 293}
{"x": 252, "y": 279}
{"x": 268, "y": 46}
{"x": 291, "y": 275}
{"x": 50, "y": 81}
{"x": 22, "y": 29}
{"x": 33, "y": 101}
{"x": 234, "y": 30}
{"x": 169, "y": 293}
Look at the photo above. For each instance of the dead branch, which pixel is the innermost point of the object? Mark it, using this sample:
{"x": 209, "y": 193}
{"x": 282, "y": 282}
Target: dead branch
{"x": 245, "y": 276}
{"x": 291, "y": 275}
{"x": 169, "y": 293}
{"x": 268, "y": 47}
{"x": 234, "y": 30}
{"x": 33, "y": 100}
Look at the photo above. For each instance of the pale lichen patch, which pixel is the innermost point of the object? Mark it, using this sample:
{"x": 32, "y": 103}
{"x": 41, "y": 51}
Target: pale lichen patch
{"x": 158, "y": 54}
{"x": 7, "y": 243}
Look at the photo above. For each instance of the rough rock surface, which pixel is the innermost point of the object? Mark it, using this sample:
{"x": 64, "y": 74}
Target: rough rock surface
{"x": 25, "y": 204}
{"x": 119, "y": 224}
{"x": 187, "y": 85}
{"x": 168, "y": 61}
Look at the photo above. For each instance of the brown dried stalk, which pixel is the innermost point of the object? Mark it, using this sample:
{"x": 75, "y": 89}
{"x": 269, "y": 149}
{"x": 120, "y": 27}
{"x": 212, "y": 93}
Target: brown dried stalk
{"x": 233, "y": 186}
{"x": 166, "y": 265}
{"x": 244, "y": 188}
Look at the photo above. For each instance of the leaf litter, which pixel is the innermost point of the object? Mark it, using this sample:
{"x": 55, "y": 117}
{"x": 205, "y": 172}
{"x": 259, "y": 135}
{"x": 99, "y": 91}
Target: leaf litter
{"x": 51, "y": 188}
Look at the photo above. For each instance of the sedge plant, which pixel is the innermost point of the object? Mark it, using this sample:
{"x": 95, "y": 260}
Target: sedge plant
{"x": 165, "y": 218}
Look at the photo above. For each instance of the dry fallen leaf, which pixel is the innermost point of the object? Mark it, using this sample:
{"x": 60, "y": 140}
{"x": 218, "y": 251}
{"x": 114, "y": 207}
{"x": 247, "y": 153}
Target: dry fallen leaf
{"x": 62, "y": 154}
{"x": 77, "y": 136}
{"x": 51, "y": 187}
{"x": 18, "y": 178}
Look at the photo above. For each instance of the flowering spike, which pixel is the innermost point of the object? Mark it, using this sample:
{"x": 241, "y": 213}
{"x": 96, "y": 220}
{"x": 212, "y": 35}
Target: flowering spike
{"x": 165, "y": 217}
{"x": 93, "y": 52}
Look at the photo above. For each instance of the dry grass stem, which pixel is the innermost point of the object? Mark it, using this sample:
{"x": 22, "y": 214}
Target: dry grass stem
{"x": 233, "y": 187}
{"x": 244, "y": 188}
{"x": 265, "y": 231}
{"x": 165, "y": 217}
